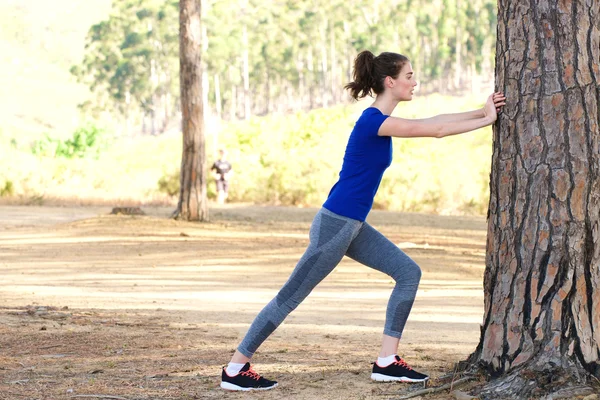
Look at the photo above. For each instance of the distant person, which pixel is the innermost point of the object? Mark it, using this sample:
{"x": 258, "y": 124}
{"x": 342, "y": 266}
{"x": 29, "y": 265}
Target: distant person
{"x": 222, "y": 172}
{"x": 339, "y": 228}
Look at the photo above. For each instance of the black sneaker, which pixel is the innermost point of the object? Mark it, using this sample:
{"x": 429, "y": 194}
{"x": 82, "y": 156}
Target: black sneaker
{"x": 247, "y": 379}
{"x": 398, "y": 371}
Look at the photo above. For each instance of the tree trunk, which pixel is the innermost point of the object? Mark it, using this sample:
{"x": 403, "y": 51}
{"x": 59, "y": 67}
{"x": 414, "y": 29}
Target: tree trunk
{"x": 541, "y": 329}
{"x": 324, "y": 85}
{"x": 333, "y": 79}
{"x": 349, "y": 52}
{"x": 219, "y": 111}
{"x": 205, "y": 81}
{"x": 301, "y": 83}
{"x": 166, "y": 111}
{"x": 246, "y": 72}
{"x": 218, "y": 105}
{"x": 310, "y": 78}
{"x": 458, "y": 50}
{"x": 152, "y": 120}
{"x": 193, "y": 204}
{"x": 267, "y": 97}
{"x": 233, "y": 72}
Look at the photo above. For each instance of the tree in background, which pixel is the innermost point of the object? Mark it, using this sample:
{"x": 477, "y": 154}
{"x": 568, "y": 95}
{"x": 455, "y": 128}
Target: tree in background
{"x": 541, "y": 330}
{"x": 193, "y": 202}
{"x": 131, "y": 63}
{"x": 263, "y": 56}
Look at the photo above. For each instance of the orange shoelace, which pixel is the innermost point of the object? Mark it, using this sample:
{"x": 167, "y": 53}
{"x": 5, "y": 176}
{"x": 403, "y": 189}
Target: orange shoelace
{"x": 403, "y": 363}
{"x": 251, "y": 374}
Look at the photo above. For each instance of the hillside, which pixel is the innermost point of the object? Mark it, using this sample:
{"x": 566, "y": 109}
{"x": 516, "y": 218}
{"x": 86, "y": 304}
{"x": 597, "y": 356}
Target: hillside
{"x": 39, "y": 41}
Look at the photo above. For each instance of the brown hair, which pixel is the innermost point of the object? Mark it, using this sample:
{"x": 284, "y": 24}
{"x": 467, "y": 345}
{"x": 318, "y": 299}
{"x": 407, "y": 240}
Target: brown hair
{"x": 370, "y": 71}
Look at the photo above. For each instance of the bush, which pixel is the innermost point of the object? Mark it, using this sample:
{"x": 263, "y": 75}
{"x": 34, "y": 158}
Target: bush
{"x": 86, "y": 140}
{"x": 8, "y": 189}
{"x": 45, "y": 146}
{"x": 169, "y": 184}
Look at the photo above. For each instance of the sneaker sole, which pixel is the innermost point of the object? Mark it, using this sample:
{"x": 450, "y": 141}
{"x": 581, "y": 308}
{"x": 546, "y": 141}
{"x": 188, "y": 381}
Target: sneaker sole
{"x": 235, "y": 388}
{"x": 387, "y": 378}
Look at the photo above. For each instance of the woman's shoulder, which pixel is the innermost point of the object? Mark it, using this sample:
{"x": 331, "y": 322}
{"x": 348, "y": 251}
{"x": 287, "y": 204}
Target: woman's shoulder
{"x": 371, "y": 115}
{"x": 368, "y": 114}
{"x": 372, "y": 111}
{"x": 369, "y": 122}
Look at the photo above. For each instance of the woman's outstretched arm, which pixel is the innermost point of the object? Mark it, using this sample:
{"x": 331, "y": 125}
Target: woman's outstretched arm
{"x": 444, "y": 124}
{"x": 453, "y": 117}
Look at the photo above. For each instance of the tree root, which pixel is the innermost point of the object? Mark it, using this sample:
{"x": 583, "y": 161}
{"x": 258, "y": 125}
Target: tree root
{"x": 547, "y": 383}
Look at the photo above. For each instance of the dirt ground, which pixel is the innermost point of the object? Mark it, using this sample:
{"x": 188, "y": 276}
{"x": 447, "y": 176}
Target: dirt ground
{"x": 94, "y": 305}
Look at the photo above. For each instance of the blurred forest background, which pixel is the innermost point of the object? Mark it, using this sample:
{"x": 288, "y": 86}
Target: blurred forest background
{"x": 89, "y": 98}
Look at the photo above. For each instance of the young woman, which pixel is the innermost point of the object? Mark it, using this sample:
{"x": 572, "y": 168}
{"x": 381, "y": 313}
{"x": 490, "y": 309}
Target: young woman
{"x": 339, "y": 228}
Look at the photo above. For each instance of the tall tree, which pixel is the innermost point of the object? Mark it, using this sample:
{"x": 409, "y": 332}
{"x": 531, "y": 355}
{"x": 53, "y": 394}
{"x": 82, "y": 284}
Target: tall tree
{"x": 193, "y": 204}
{"x": 129, "y": 61}
{"x": 541, "y": 329}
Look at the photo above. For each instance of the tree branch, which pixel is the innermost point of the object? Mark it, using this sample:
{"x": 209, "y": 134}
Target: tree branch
{"x": 436, "y": 389}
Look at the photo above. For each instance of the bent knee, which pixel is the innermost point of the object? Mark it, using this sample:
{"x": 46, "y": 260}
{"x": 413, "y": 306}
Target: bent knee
{"x": 408, "y": 272}
{"x": 417, "y": 272}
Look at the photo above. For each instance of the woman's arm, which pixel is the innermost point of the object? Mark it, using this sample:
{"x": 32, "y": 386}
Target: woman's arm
{"x": 444, "y": 124}
{"x": 410, "y": 128}
{"x": 462, "y": 116}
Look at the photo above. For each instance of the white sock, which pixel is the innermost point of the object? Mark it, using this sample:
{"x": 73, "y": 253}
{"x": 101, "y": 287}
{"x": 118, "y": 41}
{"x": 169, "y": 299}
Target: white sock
{"x": 385, "y": 361}
{"x": 234, "y": 368}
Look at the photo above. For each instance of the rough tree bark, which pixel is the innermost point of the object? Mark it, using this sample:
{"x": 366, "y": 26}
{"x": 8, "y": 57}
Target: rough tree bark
{"x": 193, "y": 204}
{"x": 541, "y": 329}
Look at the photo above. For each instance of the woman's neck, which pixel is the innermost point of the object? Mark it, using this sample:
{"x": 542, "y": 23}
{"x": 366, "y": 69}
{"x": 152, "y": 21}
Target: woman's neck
{"x": 385, "y": 104}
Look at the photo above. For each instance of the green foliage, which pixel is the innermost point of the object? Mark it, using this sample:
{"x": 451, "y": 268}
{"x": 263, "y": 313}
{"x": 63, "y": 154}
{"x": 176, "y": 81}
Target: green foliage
{"x": 297, "y": 53}
{"x": 45, "y": 146}
{"x": 86, "y": 141}
{"x": 169, "y": 183}
{"x": 133, "y": 55}
{"x": 8, "y": 189}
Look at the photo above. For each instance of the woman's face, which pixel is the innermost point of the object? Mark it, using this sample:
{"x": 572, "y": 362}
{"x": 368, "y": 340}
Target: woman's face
{"x": 404, "y": 85}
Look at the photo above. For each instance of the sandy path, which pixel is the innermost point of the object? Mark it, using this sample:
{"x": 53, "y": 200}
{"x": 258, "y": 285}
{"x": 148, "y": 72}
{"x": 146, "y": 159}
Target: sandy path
{"x": 188, "y": 291}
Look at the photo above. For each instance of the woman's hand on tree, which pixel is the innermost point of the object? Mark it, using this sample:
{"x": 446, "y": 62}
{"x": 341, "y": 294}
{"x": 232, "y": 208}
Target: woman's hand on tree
{"x": 494, "y": 105}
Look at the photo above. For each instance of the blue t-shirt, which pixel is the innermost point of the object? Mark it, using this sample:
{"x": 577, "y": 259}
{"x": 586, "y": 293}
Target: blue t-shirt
{"x": 366, "y": 159}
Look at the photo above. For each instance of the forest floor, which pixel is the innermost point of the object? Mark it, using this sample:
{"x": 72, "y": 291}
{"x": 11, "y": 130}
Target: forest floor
{"x": 94, "y": 305}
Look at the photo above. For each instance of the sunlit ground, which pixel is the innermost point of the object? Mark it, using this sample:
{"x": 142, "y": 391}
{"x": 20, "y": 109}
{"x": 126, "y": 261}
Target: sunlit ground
{"x": 212, "y": 279}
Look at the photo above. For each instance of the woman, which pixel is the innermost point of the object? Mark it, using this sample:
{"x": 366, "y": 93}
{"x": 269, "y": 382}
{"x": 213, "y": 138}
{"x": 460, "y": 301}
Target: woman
{"x": 339, "y": 228}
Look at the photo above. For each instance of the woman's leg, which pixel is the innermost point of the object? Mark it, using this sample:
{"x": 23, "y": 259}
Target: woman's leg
{"x": 389, "y": 346}
{"x": 330, "y": 235}
{"x": 374, "y": 250}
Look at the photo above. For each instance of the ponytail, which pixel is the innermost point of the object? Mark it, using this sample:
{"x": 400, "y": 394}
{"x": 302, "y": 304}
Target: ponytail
{"x": 363, "y": 75}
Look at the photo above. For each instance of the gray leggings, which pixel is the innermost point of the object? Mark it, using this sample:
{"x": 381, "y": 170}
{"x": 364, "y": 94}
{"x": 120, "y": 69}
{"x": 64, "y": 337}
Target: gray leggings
{"x": 331, "y": 237}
